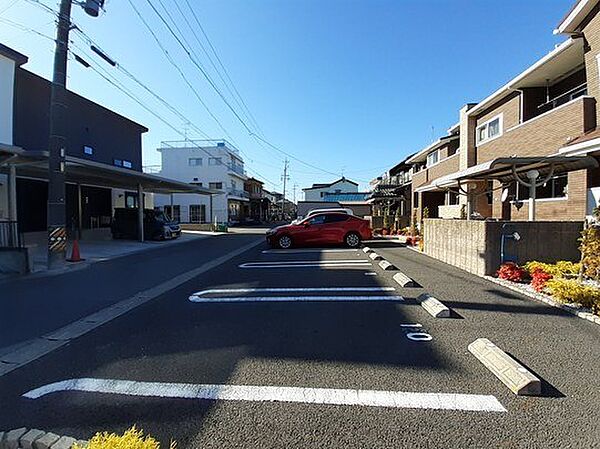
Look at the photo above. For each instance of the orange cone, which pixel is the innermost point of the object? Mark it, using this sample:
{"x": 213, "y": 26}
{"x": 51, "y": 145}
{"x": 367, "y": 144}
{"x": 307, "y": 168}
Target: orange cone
{"x": 75, "y": 256}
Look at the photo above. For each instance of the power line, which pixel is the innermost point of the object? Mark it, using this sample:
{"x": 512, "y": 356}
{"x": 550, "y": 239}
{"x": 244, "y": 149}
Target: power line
{"x": 197, "y": 20}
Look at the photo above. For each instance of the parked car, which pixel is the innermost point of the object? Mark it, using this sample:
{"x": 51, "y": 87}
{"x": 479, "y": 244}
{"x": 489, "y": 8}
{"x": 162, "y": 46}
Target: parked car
{"x": 322, "y": 229}
{"x": 157, "y": 226}
{"x": 312, "y": 212}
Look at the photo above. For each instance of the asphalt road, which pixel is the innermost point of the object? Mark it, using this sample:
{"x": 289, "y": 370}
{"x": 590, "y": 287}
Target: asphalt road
{"x": 327, "y": 344}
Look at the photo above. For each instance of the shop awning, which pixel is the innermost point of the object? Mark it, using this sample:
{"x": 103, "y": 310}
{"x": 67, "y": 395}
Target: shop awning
{"x": 34, "y": 164}
{"x": 501, "y": 169}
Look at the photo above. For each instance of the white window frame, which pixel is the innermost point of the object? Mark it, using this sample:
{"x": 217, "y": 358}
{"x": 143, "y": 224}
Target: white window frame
{"x": 195, "y": 162}
{"x": 437, "y": 153}
{"x": 485, "y": 125}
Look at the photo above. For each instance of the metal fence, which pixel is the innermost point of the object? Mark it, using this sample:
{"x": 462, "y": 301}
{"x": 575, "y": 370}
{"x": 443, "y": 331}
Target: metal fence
{"x": 10, "y": 237}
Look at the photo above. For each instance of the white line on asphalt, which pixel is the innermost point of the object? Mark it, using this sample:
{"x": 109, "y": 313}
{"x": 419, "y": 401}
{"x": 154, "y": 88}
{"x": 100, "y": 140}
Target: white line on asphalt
{"x": 370, "y": 273}
{"x": 367, "y": 398}
{"x": 300, "y": 262}
{"x": 216, "y": 291}
{"x": 296, "y": 251}
{"x": 307, "y": 264}
{"x": 295, "y": 298}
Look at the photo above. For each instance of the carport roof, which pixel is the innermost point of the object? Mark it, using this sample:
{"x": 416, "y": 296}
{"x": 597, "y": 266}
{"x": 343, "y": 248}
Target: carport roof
{"x": 501, "y": 169}
{"x": 35, "y": 164}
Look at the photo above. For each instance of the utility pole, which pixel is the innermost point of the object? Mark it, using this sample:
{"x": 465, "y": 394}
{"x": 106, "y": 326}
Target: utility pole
{"x": 285, "y": 177}
{"x": 57, "y": 143}
{"x": 295, "y": 187}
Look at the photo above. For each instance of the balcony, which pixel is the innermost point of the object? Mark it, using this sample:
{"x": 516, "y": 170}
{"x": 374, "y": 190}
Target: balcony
{"x": 237, "y": 170}
{"x": 442, "y": 168}
{"x": 544, "y": 134}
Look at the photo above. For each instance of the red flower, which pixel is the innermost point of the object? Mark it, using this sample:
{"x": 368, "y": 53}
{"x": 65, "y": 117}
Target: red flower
{"x": 511, "y": 272}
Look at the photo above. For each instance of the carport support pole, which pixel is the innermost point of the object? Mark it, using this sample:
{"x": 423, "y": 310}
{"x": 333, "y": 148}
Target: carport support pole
{"x": 172, "y": 213}
{"x": 79, "y": 212}
{"x": 532, "y": 175}
{"x": 210, "y": 207}
{"x": 12, "y": 192}
{"x": 140, "y": 212}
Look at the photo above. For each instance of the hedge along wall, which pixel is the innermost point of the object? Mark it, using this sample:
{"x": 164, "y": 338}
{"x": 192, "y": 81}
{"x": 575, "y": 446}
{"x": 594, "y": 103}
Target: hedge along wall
{"x": 474, "y": 245}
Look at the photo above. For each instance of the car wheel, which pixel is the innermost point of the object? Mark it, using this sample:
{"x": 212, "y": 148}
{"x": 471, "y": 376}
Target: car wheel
{"x": 352, "y": 240}
{"x": 284, "y": 242}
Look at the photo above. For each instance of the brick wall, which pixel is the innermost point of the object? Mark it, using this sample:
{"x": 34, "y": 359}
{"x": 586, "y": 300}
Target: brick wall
{"x": 443, "y": 168}
{"x": 543, "y": 135}
{"x": 510, "y": 108}
{"x": 591, "y": 32}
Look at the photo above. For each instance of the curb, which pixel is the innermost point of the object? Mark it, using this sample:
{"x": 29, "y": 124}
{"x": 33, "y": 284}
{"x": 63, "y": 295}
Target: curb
{"x": 38, "y": 347}
{"x": 386, "y": 266}
{"x": 375, "y": 256}
{"x": 367, "y": 250}
{"x": 403, "y": 280}
{"x": 433, "y": 306}
{"x": 23, "y": 438}
{"x": 510, "y": 372}
{"x": 546, "y": 300}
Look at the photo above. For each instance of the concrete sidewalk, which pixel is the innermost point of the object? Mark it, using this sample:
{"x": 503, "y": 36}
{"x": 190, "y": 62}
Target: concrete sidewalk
{"x": 98, "y": 245}
{"x": 31, "y": 307}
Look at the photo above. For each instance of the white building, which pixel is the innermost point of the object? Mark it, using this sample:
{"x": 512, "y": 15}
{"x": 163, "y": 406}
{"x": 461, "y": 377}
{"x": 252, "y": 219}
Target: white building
{"x": 215, "y": 164}
{"x": 317, "y": 191}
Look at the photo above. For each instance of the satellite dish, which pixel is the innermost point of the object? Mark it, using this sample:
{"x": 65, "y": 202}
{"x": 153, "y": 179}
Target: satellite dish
{"x": 504, "y": 196}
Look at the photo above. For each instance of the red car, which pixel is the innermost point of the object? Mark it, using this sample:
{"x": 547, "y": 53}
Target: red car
{"x": 321, "y": 229}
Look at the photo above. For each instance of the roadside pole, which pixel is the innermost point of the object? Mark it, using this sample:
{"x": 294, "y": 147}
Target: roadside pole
{"x": 57, "y": 142}
{"x": 57, "y": 233}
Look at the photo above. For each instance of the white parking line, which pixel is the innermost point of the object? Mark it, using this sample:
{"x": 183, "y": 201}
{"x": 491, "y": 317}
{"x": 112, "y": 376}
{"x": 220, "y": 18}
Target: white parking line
{"x": 295, "y": 298}
{"x": 370, "y": 273}
{"x": 349, "y": 397}
{"x": 297, "y": 251}
{"x": 307, "y": 264}
{"x": 217, "y": 291}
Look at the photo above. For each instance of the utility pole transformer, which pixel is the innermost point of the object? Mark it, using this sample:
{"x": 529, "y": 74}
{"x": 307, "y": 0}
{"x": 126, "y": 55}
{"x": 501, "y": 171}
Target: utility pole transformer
{"x": 57, "y": 143}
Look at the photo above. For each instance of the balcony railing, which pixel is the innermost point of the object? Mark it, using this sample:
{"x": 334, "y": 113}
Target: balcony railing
{"x": 237, "y": 168}
{"x": 200, "y": 143}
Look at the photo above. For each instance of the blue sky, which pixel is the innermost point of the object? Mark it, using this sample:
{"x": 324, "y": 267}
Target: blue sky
{"x": 345, "y": 85}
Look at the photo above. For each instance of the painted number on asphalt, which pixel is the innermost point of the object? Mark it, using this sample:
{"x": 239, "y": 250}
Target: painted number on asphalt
{"x": 415, "y": 332}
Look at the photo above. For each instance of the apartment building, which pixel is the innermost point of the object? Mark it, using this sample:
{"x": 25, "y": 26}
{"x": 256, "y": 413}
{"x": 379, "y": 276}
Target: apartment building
{"x": 257, "y": 209}
{"x": 213, "y": 164}
{"x": 541, "y": 126}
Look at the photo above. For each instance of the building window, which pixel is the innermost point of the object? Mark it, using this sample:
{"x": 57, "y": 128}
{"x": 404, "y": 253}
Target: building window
{"x": 118, "y": 162}
{"x": 127, "y": 164}
{"x": 556, "y": 187}
{"x": 88, "y": 150}
{"x": 432, "y": 158}
{"x": 233, "y": 185}
{"x": 416, "y": 199}
{"x": 215, "y": 185}
{"x": 490, "y": 192}
{"x": 174, "y": 214}
{"x": 197, "y": 213}
{"x": 322, "y": 194}
{"x": 194, "y": 161}
{"x": 215, "y": 161}
{"x": 131, "y": 200}
{"x": 490, "y": 129}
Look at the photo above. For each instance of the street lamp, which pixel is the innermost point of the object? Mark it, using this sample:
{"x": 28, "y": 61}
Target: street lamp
{"x": 57, "y": 143}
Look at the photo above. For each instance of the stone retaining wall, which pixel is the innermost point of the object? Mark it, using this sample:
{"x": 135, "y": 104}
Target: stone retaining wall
{"x": 24, "y": 438}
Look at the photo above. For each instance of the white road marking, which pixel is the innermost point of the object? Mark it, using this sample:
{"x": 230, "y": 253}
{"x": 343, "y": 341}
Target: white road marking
{"x": 296, "y": 251}
{"x": 366, "y": 398}
{"x": 296, "y": 298}
{"x": 307, "y": 264}
{"x": 217, "y": 291}
{"x": 370, "y": 273}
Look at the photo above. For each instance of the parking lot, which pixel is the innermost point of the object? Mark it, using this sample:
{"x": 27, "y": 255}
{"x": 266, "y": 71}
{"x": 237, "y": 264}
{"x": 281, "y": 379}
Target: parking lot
{"x": 320, "y": 348}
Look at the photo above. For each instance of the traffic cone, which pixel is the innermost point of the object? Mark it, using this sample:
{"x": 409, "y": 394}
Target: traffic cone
{"x": 75, "y": 256}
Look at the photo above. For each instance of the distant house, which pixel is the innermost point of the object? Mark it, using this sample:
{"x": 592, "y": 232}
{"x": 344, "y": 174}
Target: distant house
{"x": 317, "y": 192}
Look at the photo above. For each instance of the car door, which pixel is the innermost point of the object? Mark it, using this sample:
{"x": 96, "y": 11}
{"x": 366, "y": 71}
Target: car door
{"x": 310, "y": 231}
{"x": 334, "y": 228}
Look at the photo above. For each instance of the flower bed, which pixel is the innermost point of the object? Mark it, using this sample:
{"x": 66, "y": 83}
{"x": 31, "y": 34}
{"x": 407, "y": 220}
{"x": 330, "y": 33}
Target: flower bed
{"x": 560, "y": 282}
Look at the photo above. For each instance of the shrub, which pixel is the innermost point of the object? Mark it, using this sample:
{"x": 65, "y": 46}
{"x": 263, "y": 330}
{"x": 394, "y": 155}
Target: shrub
{"x": 562, "y": 268}
{"x": 511, "y": 272}
{"x": 131, "y": 439}
{"x": 590, "y": 252}
{"x": 571, "y": 290}
{"x": 539, "y": 279}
